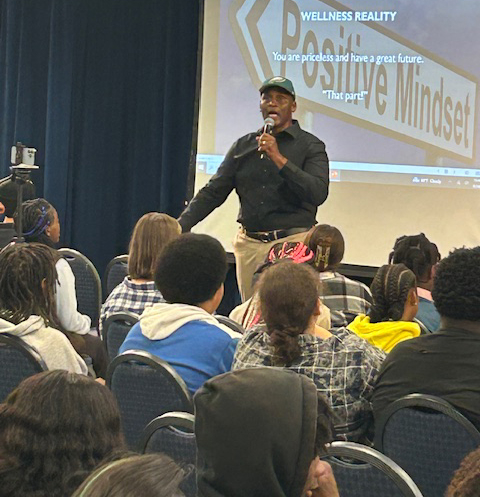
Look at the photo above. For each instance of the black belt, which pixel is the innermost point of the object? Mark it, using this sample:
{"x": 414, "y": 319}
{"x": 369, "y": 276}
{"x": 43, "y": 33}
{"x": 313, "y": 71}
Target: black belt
{"x": 271, "y": 236}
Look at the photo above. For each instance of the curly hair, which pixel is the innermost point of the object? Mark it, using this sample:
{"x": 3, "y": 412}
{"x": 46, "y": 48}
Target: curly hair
{"x": 288, "y": 296}
{"x": 151, "y": 234}
{"x": 191, "y": 269}
{"x": 55, "y": 428}
{"x": 27, "y": 283}
{"x": 328, "y": 245}
{"x": 466, "y": 480}
{"x": 456, "y": 291}
{"x": 390, "y": 288}
{"x": 149, "y": 475}
{"x": 418, "y": 253}
{"x": 38, "y": 215}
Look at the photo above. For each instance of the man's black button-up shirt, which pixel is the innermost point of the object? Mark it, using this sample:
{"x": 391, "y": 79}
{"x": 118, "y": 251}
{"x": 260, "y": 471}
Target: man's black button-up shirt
{"x": 270, "y": 198}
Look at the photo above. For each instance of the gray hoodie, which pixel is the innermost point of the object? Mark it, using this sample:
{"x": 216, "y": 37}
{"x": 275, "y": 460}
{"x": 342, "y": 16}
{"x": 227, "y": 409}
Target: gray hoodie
{"x": 52, "y": 345}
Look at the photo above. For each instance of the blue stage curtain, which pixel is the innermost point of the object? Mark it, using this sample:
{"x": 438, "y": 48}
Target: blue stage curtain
{"x": 105, "y": 90}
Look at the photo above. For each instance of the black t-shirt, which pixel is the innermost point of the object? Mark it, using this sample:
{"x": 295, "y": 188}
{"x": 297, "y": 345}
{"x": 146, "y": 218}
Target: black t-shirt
{"x": 445, "y": 364}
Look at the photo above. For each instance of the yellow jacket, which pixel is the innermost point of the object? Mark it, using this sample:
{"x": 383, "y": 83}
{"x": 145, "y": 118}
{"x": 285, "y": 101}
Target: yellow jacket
{"x": 386, "y": 334}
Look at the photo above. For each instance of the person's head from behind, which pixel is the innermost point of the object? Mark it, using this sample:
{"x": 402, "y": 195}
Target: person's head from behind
{"x": 9, "y": 193}
{"x": 419, "y": 254}
{"x": 191, "y": 270}
{"x": 40, "y": 222}
{"x": 55, "y": 428}
{"x": 152, "y": 475}
{"x": 394, "y": 294}
{"x": 466, "y": 480}
{"x": 328, "y": 245}
{"x": 151, "y": 234}
{"x": 456, "y": 291}
{"x": 259, "y": 431}
{"x": 27, "y": 283}
{"x": 289, "y": 301}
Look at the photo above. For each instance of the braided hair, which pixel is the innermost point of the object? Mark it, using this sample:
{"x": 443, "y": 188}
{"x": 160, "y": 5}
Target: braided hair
{"x": 328, "y": 245}
{"x": 27, "y": 283}
{"x": 390, "y": 289}
{"x": 418, "y": 253}
{"x": 288, "y": 297}
{"x": 38, "y": 215}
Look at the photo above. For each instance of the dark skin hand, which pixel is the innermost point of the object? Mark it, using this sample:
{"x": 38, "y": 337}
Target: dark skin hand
{"x": 268, "y": 144}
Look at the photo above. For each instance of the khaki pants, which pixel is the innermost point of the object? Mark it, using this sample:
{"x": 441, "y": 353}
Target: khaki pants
{"x": 249, "y": 254}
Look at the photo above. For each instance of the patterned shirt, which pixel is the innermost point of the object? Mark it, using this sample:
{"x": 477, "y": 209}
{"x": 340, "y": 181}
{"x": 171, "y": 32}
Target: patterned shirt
{"x": 129, "y": 296}
{"x": 344, "y": 368}
{"x": 344, "y": 297}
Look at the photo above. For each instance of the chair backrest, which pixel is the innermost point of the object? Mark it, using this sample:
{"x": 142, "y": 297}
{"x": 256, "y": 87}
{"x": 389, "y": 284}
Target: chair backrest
{"x": 88, "y": 286}
{"x": 233, "y": 325}
{"x": 115, "y": 329}
{"x": 423, "y": 329}
{"x": 115, "y": 273}
{"x": 145, "y": 387}
{"x": 17, "y": 361}
{"x": 428, "y": 438}
{"x": 361, "y": 471}
{"x": 173, "y": 434}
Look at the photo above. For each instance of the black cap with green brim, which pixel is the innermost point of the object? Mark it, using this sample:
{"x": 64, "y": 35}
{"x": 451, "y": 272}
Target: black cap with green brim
{"x": 278, "y": 82}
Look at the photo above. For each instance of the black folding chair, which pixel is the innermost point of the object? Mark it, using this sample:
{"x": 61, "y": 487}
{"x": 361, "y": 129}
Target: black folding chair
{"x": 364, "y": 472}
{"x": 115, "y": 329}
{"x": 88, "y": 286}
{"x": 115, "y": 273}
{"x": 428, "y": 438}
{"x": 145, "y": 387}
{"x": 172, "y": 434}
{"x": 233, "y": 325}
{"x": 17, "y": 361}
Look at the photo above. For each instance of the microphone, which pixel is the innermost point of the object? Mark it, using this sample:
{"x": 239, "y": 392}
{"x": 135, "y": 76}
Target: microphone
{"x": 267, "y": 128}
{"x": 268, "y": 125}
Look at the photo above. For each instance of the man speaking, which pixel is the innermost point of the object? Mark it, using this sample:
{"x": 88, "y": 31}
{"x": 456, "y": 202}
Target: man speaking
{"x": 280, "y": 175}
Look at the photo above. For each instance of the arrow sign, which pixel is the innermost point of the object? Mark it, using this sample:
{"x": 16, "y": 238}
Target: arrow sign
{"x": 354, "y": 69}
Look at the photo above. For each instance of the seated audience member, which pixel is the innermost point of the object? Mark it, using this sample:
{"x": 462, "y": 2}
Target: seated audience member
{"x": 344, "y": 297}
{"x": 259, "y": 432}
{"x": 27, "y": 304}
{"x": 420, "y": 256}
{"x": 445, "y": 364}
{"x": 41, "y": 225}
{"x": 395, "y": 304}
{"x": 55, "y": 428}
{"x": 151, "y": 234}
{"x": 8, "y": 199}
{"x": 190, "y": 275}
{"x": 343, "y": 366}
{"x": 249, "y": 314}
{"x": 152, "y": 475}
{"x": 466, "y": 481}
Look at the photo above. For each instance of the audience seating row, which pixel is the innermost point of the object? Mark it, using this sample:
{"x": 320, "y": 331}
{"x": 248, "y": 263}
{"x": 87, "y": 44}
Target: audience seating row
{"x": 422, "y": 435}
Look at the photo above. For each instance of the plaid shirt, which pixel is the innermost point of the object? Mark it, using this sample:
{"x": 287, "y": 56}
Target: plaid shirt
{"x": 129, "y": 296}
{"x": 344, "y": 297}
{"x": 343, "y": 367}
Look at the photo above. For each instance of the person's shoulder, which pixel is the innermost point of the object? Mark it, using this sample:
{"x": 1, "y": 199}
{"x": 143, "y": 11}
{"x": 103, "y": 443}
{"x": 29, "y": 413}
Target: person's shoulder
{"x": 306, "y": 135}
{"x": 119, "y": 290}
{"x": 245, "y": 140}
{"x": 62, "y": 265}
{"x": 349, "y": 341}
{"x": 404, "y": 350}
{"x": 206, "y": 330}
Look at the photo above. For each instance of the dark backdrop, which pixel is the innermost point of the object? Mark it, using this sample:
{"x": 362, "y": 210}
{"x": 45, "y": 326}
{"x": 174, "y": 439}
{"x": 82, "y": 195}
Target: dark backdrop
{"x": 106, "y": 91}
